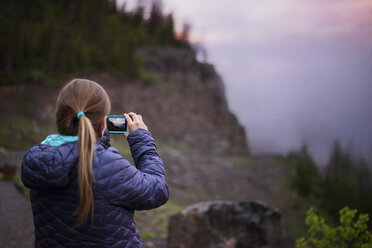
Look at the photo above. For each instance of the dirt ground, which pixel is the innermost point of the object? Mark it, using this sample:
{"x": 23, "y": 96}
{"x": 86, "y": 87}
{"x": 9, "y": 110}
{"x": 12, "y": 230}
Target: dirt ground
{"x": 16, "y": 223}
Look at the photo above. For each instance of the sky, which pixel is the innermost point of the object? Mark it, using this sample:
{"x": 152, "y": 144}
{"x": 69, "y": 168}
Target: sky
{"x": 295, "y": 71}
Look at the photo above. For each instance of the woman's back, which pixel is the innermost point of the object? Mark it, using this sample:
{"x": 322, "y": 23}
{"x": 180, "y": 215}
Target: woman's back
{"x": 50, "y": 170}
{"x": 119, "y": 189}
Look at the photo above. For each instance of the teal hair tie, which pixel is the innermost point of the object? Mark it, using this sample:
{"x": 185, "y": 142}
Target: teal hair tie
{"x": 80, "y": 114}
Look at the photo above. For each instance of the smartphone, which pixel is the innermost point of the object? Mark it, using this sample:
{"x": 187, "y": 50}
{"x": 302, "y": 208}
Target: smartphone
{"x": 117, "y": 124}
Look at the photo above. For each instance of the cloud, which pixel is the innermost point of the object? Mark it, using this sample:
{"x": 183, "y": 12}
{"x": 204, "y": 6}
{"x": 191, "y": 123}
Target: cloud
{"x": 262, "y": 21}
{"x": 258, "y": 22}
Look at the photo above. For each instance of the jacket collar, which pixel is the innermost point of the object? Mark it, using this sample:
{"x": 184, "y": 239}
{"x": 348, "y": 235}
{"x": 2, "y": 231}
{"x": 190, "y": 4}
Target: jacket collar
{"x": 58, "y": 139}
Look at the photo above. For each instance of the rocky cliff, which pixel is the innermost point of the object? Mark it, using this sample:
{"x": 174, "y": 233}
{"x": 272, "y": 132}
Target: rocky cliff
{"x": 183, "y": 101}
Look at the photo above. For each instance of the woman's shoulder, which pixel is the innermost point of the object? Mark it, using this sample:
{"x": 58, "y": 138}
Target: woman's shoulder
{"x": 110, "y": 156}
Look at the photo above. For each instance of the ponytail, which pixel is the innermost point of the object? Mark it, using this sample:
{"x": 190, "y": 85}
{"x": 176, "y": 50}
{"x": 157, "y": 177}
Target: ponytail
{"x": 86, "y": 95}
{"x": 86, "y": 143}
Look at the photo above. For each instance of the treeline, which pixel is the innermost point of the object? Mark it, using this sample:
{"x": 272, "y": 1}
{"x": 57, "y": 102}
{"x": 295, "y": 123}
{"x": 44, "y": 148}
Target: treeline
{"x": 44, "y": 39}
{"x": 345, "y": 181}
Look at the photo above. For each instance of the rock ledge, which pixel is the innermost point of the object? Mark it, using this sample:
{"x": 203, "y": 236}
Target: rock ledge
{"x": 225, "y": 224}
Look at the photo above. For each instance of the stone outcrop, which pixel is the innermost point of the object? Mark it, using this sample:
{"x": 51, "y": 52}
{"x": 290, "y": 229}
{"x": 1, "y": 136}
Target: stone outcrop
{"x": 182, "y": 101}
{"x": 225, "y": 225}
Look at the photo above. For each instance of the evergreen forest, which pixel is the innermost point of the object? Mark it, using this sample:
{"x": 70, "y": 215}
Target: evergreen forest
{"x": 46, "y": 40}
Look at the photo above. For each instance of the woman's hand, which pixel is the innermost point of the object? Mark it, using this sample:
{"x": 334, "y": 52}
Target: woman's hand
{"x": 134, "y": 122}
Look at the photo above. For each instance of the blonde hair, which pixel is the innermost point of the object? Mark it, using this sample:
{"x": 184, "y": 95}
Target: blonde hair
{"x": 81, "y": 95}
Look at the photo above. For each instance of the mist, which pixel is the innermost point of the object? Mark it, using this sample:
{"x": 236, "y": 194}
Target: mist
{"x": 318, "y": 94}
{"x": 296, "y": 72}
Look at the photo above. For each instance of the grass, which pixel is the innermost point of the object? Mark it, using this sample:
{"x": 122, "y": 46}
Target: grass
{"x": 240, "y": 161}
{"x": 153, "y": 224}
{"x": 175, "y": 148}
{"x": 7, "y": 178}
{"x": 147, "y": 76}
{"x": 147, "y": 235}
{"x": 19, "y": 132}
{"x": 120, "y": 143}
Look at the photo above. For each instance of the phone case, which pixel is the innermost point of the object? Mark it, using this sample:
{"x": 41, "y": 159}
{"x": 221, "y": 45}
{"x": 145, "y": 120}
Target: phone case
{"x": 118, "y": 132}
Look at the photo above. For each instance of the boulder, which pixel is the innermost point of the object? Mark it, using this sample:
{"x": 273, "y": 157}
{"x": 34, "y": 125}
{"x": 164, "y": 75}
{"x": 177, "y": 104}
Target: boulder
{"x": 224, "y": 224}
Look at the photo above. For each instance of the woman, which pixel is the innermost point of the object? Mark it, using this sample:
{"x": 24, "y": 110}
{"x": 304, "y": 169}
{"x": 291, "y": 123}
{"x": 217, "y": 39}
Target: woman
{"x": 83, "y": 192}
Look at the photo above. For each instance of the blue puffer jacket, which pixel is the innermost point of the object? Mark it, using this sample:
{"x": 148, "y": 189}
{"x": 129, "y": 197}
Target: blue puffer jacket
{"x": 50, "y": 171}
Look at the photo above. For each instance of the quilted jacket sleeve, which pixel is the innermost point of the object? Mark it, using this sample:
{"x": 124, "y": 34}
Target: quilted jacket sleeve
{"x": 143, "y": 186}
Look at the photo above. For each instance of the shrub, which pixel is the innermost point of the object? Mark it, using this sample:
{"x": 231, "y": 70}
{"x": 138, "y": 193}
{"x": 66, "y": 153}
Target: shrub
{"x": 351, "y": 233}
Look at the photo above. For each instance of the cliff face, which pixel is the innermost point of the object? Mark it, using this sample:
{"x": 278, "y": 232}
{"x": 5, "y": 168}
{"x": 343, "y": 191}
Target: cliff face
{"x": 182, "y": 101}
